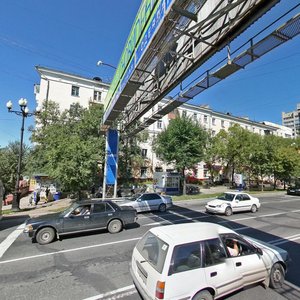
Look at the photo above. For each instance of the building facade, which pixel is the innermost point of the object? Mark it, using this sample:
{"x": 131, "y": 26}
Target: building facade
{"x": 65, "y": 89}
{"x": 292, "y": 120}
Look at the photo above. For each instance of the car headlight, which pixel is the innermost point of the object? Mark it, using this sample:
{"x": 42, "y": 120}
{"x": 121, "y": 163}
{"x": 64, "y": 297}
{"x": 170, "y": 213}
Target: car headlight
{"x": 28, "y": 228}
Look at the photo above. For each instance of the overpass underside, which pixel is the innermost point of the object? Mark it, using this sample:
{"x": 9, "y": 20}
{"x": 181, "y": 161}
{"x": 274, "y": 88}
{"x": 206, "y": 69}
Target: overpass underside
{"x": 191, "y": 32}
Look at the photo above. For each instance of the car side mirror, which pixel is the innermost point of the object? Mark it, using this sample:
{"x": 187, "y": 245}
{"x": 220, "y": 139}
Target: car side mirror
{"x": 259, "y": 251}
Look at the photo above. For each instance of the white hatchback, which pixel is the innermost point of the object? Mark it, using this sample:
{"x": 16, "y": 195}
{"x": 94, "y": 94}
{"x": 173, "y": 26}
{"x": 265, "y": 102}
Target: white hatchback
{"x": 231, "y": 202}
{"x": 193, "y": 261}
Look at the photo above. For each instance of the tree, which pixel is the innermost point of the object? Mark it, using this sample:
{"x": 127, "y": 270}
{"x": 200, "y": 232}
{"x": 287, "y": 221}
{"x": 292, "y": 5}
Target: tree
{"x": 9, "y": 162}
{"x": 182, "y": 143}
{"x": 130, "y": 157}
{"x": 69, "y": 147}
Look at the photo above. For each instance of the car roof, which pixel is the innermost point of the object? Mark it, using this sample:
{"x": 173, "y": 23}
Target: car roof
{"x": 92, "y": 201}
{"x": 189, "y": 232}
{"x": 235, "y": 192}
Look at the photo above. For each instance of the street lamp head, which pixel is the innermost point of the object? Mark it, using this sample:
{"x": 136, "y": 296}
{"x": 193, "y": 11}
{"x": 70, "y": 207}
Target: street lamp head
{"x": 26, "y": 110}
{"x": 23, "y": 102}
{"x": 9, "y": 105}
{"x": 38, "y": 109}
{"x": 99, "y": 63}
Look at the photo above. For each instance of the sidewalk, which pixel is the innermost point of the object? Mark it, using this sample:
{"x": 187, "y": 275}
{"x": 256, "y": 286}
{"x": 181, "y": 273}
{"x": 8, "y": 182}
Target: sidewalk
{"x": 58, "y": 205}
{"x": 40, "y": 209}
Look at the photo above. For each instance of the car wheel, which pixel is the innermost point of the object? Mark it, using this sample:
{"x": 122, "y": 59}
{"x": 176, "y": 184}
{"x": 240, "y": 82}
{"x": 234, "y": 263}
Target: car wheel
{"x": 203, "y": 295}
{"x": 162, "y": 208}
{"x": 228, "y": 211}
{"x": 277, "y": 276}
{"x": 45, "y": 235}
{"x": 253, "y": 208}
{"x": 115, "y": 226}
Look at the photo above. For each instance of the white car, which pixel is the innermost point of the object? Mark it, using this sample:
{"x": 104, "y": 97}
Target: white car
{"x": 147, "y": 202}
{"x": 231, "y": 202}
{"x": 193, "y": 261}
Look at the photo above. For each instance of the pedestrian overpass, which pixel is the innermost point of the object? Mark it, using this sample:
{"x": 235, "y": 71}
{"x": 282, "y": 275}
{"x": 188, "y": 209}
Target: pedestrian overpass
{"x": 169, "y": 40}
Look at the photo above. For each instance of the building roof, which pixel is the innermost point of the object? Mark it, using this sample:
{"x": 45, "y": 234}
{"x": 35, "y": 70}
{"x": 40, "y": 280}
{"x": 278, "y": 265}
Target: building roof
{"x": 45, "y": 70}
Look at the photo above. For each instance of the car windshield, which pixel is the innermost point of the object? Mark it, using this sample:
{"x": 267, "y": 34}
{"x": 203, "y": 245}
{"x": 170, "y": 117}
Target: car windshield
{"x": 226, "y": 197}
{"x": 133, "y": 197}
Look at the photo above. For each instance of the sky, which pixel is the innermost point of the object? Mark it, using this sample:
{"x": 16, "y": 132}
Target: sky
{"x": 72, "y": 35}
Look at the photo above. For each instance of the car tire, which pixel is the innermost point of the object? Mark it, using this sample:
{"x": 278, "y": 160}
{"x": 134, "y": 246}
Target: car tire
{"x": 277, "y": 276}
{"x": 253, "y": 208}
{"x": 45, "y": 235}
{"x": 228, "y": 211}
{"x": 162, "y": 208}
{"x": 203, "y": 295}
{"x": 115, "y": 226}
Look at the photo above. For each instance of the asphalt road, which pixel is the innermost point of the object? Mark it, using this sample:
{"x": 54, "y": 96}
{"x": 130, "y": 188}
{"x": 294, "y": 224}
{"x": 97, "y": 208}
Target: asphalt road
{"x": 96, "y": 266}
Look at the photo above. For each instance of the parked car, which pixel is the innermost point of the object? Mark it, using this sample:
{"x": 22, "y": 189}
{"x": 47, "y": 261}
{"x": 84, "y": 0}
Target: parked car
{"x": 231, "y": 202}
{"x": 82, "y": 216}
{"x": 293, "y": 190}
{"x": 193, "y": 261}
{"x": 147, "y": 202}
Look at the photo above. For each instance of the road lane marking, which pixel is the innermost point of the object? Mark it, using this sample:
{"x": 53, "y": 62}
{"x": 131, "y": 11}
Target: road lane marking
{"x": 260, "y": 216}
{"x": 124, "y": 292}
{"x": 68, "y": 250}
{"x": 10, "y": 239}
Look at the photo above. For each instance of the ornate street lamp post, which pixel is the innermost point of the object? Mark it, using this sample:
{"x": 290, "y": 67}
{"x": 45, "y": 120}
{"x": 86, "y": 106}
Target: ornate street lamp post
{"x": 24, "y": 113}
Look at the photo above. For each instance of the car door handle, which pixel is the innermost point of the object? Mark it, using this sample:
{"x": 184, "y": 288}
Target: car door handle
{"x": 238, "y": 264}
{"x": 213, "y": 274}
{"x": 86, "y": 217}
{"x": 109, "y": 215}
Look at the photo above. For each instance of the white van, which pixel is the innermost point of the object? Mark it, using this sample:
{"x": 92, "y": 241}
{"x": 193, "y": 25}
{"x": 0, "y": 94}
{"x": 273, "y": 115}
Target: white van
{"x": 194, "y": 261}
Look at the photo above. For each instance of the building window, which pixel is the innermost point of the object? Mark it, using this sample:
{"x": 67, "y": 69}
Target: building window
{"x": 213, "y": 133}
{"x": 159, "y": 124}
{"x": 75, "y": 91}
{"x": 213, "y": 121}
{"x": 144, "y": 152}
{"x": 184, "y": 113}
{"x": 205, "y": 118}
{"x": 158, "y": 169}
{"x": 223, "y": 123}
{"x": 143, "y": 172}
{"x": 97, "y": 96}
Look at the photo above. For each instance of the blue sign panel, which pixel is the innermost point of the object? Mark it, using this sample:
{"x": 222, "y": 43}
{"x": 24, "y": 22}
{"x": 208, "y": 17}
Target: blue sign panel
{"x": 112, "y": 156}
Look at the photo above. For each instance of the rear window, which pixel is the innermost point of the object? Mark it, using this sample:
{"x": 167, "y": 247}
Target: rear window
{"x": 153, "y": 250}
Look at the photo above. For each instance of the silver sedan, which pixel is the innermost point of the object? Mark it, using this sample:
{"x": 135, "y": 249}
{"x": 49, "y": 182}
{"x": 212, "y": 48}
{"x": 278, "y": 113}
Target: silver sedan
{"x": 147, "y": 202}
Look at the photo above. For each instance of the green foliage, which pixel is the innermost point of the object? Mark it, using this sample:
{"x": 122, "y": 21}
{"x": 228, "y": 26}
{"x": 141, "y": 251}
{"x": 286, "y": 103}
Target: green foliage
{"x": 9, "y": 157}
{"x": 130, "y": 157}
{"x": 69, "y": 147}
{"x": 182, "y": 143}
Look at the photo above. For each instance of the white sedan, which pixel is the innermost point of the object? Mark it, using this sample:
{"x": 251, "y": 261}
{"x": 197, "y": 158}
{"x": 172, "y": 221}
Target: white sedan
{"x": 147, "y": 202}
{"x": 231, "y": 202}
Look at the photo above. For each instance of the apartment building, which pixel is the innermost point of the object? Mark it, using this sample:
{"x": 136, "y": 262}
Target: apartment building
{"x": 292, "y": 120}
{"x": 65, "y": 89}
{"x": 209, "y": 119}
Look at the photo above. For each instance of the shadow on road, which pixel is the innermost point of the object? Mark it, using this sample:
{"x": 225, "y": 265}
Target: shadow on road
{"x": 11, "y": 221}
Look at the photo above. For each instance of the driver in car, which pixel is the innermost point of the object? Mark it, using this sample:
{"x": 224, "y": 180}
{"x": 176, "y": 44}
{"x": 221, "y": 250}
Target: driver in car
{"x": 232, "y": 247}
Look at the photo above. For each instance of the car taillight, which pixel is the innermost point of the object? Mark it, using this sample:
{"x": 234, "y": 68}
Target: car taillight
{"x": 160, "y": 290}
